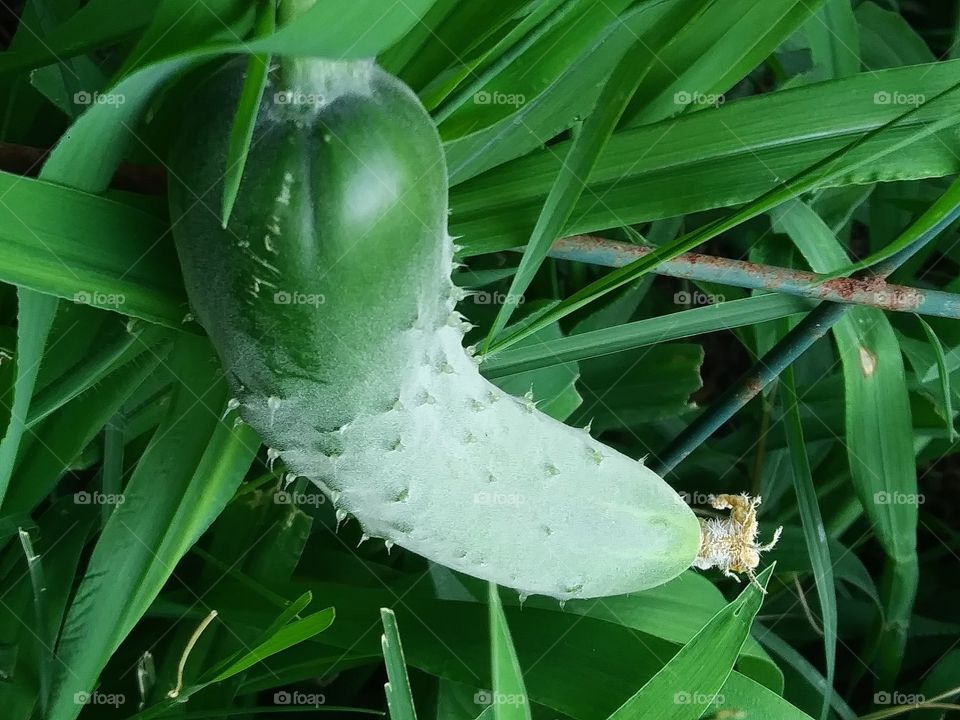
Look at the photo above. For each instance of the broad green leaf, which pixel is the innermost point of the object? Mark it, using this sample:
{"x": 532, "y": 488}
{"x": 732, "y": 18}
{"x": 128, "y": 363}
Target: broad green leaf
{"x": 397, "y": 689}
{"x": 887, "y": 40}
{"x": 509, "y": 693}
{"x": 664, "y": 376}
{"x": 783, "y": 649}
{"x": 693, "y": 678}
{"x": 189, "y": 471}
{"x": 834, "y": 40}
{"x": 823, "y": 171}
{"x": 700, "y": 161}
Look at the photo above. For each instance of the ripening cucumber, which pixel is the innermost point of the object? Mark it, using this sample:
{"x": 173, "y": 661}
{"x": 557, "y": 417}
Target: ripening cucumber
{"x": 329, "y": 300}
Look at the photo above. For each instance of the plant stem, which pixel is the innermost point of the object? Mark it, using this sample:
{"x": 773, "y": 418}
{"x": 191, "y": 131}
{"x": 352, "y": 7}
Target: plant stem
{"x": 871, "y": 291}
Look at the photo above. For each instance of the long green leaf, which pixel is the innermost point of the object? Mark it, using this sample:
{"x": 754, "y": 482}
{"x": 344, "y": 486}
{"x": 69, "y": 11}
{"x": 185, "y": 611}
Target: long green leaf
{"x": 509, "y": 696}
{"x": 245, "y": 120}
{"x": 641, "y": 333}
{"x": 691, "y": 682}
{"x": 816, "y": 175}
{"x": 186, "y": 475}
{"x": 399, "y": 695}
{"x": 571, "y": 181}
{"x": 813, "y": 532}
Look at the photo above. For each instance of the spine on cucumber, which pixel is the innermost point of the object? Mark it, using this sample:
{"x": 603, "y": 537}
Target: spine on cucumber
{"x": 329, "y": 300}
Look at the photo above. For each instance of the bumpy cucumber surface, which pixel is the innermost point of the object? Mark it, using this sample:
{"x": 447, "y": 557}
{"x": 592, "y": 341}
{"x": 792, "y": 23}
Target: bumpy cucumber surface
{"x": 329, "y": 300}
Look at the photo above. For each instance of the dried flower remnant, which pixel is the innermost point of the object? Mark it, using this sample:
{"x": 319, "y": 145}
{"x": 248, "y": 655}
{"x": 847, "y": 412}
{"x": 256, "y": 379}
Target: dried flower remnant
{"x": 730, "y": 543}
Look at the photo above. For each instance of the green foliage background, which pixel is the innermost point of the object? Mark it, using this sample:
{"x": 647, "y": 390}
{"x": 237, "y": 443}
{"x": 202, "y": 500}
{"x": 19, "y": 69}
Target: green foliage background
{"x": 800, "y": 134}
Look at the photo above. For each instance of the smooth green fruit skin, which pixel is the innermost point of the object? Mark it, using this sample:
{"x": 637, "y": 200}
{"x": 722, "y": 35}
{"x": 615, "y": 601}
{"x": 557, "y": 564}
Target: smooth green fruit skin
{"x": 329, "y": 300}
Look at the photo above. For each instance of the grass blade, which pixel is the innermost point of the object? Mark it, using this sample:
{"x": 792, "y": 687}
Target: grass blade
{"x": 814, "y": 175}
{"x": 509, "y": 699}
{"x": 942, "y": 213}
{"x": 813, "y": 532}
{"x": 187, "y": 474}
{"x": 245, "y": 120}
{"x": 689, "y": 683}
{"x": 944, "y": 376}
{"x": 397, "y": 689}
{"x": 641, "y": 333}
{"x": 570, "y": 183}
{"x": 35, "y": 317}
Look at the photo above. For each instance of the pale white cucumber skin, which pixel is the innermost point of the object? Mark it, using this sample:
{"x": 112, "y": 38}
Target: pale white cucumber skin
{"x": 405, "y": 434}
{"x": 468, "y": 476}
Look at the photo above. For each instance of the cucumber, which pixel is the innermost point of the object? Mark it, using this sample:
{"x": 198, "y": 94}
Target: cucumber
{"x": 329, "y": 300}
